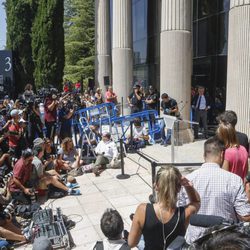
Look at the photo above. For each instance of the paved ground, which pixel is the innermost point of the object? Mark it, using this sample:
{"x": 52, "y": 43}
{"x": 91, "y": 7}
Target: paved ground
{"x": 106, "y": 191}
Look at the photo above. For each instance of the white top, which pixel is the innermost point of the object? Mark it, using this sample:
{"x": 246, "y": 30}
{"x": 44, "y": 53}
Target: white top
{"x": 111, "y": 244}
{"x": 139, "y": 132}
{"x": 108, "y": 148}
{"x": 221, "y": 192}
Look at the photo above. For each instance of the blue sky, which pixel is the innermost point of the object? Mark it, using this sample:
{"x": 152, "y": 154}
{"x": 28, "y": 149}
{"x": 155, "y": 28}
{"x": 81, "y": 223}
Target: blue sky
{"x": 2, "y": 26}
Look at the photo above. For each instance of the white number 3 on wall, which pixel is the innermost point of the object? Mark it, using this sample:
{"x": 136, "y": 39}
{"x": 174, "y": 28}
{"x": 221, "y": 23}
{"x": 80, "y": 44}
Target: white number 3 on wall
{"x": 8, "y": 64}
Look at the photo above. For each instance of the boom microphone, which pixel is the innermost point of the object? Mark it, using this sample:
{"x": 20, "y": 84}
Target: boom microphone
{"x": 201, "y": 220}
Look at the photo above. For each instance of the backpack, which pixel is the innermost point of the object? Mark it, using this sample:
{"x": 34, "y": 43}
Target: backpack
{"x": 99, "y": 246}
{"x": 26, "y": 211}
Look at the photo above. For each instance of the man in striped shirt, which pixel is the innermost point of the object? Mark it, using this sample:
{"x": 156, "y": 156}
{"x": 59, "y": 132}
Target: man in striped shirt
{"x": 222, "y": 193}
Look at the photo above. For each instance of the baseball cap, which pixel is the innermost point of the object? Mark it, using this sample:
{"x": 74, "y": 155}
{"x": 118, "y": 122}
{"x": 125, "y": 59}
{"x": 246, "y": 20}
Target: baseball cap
{"x": 136, "y": 86}
{"x": 6, "y": 97}
{"x": 38, "y": 141}
{"x": 42, "y": 243}
{"x": 15, "y": 112}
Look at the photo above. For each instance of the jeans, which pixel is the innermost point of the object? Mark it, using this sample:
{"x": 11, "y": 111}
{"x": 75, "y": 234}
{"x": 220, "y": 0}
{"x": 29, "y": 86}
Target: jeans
{"x": 165, "y": 138}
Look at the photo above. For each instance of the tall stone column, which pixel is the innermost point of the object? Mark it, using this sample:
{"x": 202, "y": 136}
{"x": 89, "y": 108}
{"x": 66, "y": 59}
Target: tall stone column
{"x": 176, "y": 52}
{"x": 238, "y": 76}
{"x": 122, "y": 52}
{"x": 102, "y": 41}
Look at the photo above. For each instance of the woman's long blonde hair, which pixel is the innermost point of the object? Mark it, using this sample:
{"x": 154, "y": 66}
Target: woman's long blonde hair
{"x": 168, "y": 184}
{"x": 226, "y": 132}
{"x": 65, "y": 145}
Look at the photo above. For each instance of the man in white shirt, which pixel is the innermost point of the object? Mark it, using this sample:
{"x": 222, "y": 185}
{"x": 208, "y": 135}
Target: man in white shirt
{"x": 106, "y": 151}
{"x": 222, "y": 193}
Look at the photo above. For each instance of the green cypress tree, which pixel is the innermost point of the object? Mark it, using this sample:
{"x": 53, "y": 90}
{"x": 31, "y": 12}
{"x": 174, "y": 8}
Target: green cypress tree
{"x": 79, "y": 39}
{"x": 19, "y": 15}
{"x": 48, "y": 43}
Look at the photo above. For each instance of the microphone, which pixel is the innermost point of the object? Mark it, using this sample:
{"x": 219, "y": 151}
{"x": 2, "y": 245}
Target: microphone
{"x": 201, "y": 220}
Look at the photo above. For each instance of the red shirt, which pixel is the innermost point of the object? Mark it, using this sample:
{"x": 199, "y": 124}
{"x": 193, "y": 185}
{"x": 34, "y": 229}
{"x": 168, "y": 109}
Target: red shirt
{"x": 78, "y": 85}
{"x": 22, "y": 173}
{"x": 109, "y": 95}
{"x": 238, "y": 160}
{"x": 50, "y": 115}
{"x": 13, "y": 140}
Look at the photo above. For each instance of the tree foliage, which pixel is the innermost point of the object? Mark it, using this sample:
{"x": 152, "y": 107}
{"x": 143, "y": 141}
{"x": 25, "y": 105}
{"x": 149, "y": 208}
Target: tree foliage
{"x": 79, "y": 39}
{"x": 48, "y": 43}
{"x": 20, "y": 14}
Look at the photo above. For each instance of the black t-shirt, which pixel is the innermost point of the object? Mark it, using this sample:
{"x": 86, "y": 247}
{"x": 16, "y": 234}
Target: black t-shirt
{"x": 166, "y": 106}
{"x": 135, "y": 101}
{"x": 243, "y": 140}
{"x": 153, "y": 97}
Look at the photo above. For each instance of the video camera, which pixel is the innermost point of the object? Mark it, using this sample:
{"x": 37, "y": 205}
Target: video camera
{"x": 9, "y": 209}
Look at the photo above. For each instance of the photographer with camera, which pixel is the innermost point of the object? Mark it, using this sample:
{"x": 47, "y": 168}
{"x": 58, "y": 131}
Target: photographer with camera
{"x": 34, "y": 125}
{"x": 50, "y": 110}
{"x": 8, "y": 230}
{"x": 42, "y": 179}
{"x": 15, "y": 133}
{"x": 66, "y": 113}
{"x": 135, "y": 99}
{"x": 20, "y": 186}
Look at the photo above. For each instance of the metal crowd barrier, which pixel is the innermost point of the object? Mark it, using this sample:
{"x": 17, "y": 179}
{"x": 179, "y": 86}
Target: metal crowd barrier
{"x": 155, "y": 164}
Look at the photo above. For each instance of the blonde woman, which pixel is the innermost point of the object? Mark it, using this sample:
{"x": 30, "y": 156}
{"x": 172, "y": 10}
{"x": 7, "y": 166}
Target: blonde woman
{"x": 236, "y": 156}
{"x": 162, "y": 222}
{"x": 68, "y": 157}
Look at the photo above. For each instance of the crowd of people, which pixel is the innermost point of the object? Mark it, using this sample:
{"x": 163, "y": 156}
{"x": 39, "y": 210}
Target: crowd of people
{"x": 37, "y": 152}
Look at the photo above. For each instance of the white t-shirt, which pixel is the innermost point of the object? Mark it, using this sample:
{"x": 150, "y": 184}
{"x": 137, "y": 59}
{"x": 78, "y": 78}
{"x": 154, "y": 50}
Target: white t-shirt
{"x": 139, "y": 132}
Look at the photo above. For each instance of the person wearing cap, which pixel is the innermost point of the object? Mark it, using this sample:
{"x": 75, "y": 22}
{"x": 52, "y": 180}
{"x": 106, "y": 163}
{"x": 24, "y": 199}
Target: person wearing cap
{"x": 15, "y": 132}
{"x": 42, "y": 179}
{"x": 135, "y": 99}
{"x": 152, "y": 99}
{"x": 169, "y": 106}
{"x": 201, "y": 105}
{"x": 106, "y": 151}
{"x": 111, "y": 96}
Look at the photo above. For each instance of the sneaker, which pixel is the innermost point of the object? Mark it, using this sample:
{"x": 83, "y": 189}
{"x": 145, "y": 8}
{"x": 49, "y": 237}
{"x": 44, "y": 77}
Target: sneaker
{"x": 72, "y": 185}
{"x": 74, "y": 192}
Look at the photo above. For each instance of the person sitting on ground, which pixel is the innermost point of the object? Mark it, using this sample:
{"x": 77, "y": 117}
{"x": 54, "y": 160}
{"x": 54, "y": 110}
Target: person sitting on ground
{"x": 20, "y": 185}
{"x": 68, "y": 157}
{"x": 42, "y": 179}
{"x": 107, "y": 153}
{"x": 236, "y": 156}
{"x": 112, "y": 227}
{"x": 162, "y": 222}
{"x": 230, "y": 117}
{"x": 49, "y": 155}
{"x": 10, "y": 232}
{"x": 140, "y": 135}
